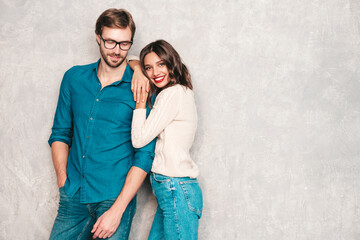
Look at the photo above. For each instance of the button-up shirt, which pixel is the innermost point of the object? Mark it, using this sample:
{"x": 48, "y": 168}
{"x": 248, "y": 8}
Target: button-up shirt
{"x": 96, "y": 124}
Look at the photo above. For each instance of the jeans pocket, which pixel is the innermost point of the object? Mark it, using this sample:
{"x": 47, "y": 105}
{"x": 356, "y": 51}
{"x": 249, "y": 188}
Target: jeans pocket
{"x": 63, "y": 187}
{"x": 193, "y": 196}
{"x": 63, "y": 197}
{"x": 161, "y": 178}
{"x": 160, "y": 184}
{"x": 106, "y": 204}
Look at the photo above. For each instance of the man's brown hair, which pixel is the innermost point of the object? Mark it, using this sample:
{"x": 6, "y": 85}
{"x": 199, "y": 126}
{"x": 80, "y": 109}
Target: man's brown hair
{"x": 115, "y": 18}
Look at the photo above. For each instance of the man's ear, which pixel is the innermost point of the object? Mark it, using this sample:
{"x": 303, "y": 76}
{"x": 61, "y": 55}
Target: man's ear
{"x": 97, "y": 39}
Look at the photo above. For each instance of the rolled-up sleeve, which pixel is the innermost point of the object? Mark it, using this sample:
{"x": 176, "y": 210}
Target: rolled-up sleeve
{"x": 62, "y": 129}
{"x": 144, "y": 156}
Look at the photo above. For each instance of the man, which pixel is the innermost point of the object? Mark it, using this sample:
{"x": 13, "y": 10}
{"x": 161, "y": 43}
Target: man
{"x": 98, "y": 171}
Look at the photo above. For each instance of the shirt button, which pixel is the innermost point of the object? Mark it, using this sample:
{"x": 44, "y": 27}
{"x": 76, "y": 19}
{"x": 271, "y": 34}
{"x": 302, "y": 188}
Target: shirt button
{"x": 82, "y": 176}
{"x": 84, "y": 156}
{"x": 91, "y": 118}
{"x": 87, "y": 136}
{"x": 97, "y": 100}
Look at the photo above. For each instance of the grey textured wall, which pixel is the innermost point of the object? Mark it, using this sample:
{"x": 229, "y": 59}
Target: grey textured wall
{"x": 277, "y": 88}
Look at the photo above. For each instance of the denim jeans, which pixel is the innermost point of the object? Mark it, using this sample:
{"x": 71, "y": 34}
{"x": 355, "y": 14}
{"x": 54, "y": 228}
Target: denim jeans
{"x": 75, "y": 220}
{"x": 179, "y": 208}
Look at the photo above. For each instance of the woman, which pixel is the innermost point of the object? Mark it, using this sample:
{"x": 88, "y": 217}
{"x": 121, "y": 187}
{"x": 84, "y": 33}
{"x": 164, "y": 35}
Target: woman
{"x": 173, "y": 121}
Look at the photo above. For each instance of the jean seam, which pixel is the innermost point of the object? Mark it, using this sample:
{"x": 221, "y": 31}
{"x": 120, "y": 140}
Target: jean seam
{"x": 152, "y": 184}
{"x": 188, "y": 181}
{"x": 83, "y": 230}
{"x": 90, "y": 211}
{"x": 128, "y": 222}
{"x": 175, "y": 209}
{"x": 184, "y": 190}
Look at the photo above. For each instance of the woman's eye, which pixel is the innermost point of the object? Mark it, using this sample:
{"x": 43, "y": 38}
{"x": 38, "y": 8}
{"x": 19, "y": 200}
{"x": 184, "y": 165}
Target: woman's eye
{"x": 147, "y": 68}
{"x": 161, "y": 64}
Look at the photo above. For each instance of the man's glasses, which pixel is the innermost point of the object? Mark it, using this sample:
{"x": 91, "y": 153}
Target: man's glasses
{"x": 111, "y": 44}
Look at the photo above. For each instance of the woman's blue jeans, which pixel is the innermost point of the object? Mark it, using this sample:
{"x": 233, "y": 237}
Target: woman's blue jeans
{"x": 75, "y": 220}
{"x": 179, "y": 208}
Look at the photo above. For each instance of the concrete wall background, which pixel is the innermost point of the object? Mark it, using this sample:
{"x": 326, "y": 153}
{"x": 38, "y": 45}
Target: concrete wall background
{"x": 277, "y": 87}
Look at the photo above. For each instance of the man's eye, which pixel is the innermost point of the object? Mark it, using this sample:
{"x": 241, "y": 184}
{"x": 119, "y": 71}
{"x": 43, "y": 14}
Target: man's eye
{"x": 125, "y": 44}
{"x": 110, "y": 42}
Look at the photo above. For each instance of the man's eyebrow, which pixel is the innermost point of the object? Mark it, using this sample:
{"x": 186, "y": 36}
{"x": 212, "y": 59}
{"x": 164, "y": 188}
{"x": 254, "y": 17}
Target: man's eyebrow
{"x": 110, "y": 39}
{"x": 105, "y": 38}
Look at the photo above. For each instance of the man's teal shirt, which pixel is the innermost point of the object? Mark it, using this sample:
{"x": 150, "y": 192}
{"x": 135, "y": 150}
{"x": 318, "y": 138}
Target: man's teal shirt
{"x": 96, "y": 124}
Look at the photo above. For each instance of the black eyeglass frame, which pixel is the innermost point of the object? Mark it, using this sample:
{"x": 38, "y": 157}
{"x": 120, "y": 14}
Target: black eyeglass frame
{"x": 116, "y": 43}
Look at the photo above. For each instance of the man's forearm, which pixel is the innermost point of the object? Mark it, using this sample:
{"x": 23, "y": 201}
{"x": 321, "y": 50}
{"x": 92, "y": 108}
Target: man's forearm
{"x": 133, "y": 182}
{"x": 110, "y": 220}
{"x": 60, "y": 153}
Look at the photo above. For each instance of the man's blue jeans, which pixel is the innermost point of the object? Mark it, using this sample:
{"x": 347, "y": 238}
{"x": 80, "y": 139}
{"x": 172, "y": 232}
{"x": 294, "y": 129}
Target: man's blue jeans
{"x": 75, "y": 220}
{"x": 179, "y": 208}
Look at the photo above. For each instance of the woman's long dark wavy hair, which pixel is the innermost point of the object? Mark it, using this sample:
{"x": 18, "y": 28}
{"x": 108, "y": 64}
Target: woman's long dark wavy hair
{"x": 178, "y": 72}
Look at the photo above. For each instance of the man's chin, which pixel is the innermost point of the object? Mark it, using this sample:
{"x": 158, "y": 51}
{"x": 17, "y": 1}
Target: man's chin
{"x": 114, "y": 64}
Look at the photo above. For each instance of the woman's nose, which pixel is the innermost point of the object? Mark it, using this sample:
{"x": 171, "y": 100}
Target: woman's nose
{"x": 156, "y": 71}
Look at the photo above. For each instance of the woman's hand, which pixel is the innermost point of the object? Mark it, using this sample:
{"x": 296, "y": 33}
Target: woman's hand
{"x": 142, "y": 104}
{"x": 139, "y": 83}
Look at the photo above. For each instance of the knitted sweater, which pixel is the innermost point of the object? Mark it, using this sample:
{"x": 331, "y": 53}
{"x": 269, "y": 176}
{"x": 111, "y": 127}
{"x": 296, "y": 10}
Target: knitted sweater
{"x": 173, "y": 120}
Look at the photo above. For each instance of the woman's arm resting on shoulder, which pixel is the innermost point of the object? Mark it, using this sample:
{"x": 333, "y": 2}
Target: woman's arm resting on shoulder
{"x": 139, "y": 83}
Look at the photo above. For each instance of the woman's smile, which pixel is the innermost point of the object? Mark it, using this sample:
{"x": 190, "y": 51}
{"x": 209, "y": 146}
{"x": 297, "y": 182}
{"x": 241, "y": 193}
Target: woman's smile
{"x": 159, "y": 79}
{"x": 156, "y": 70}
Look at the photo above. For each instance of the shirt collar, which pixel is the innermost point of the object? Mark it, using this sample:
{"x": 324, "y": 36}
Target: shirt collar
{"x": 127, "y": 76}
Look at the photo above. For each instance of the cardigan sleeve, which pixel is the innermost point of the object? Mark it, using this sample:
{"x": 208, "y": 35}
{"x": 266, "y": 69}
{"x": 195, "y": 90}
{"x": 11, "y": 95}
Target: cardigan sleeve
{"x": 162, "y": 114}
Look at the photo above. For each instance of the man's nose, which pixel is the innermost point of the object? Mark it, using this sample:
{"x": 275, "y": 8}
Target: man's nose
{"x": 117, "y": 48}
